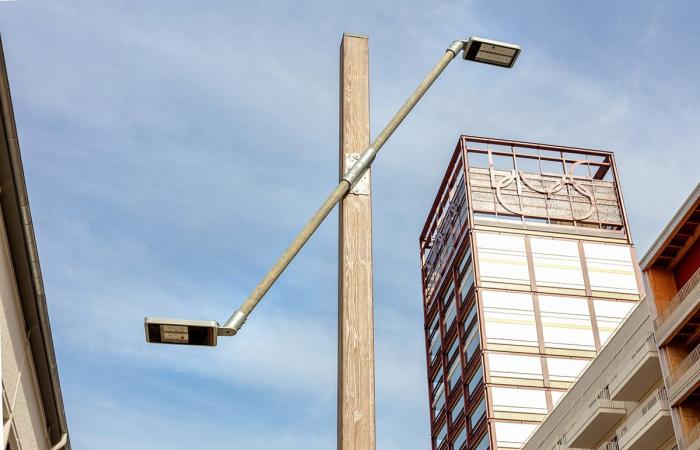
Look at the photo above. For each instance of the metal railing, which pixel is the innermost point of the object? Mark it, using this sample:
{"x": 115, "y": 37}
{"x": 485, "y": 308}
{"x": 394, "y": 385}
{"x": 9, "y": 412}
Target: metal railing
{"x": 678, "y": 300}
{"x": 681, "y": 369}
{"x": 633, "y": 420}
{"x": 611, "y": 445}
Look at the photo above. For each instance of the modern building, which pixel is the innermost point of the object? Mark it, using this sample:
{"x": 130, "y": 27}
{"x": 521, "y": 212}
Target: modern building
{"x": 632, "y": 396}
{"x": 672, "y": 273}
{"x": 528, "y": 269}
{"x": 619, "y": 401}
{"x": 32, "y": 406}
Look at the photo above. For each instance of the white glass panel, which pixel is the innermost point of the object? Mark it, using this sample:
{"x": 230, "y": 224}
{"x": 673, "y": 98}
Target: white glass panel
{"x": 437, "y": 379}
{"x": 557, "y": 263}
{"x": 556, "y": 396}
{"x": 466, "y": 283}
{"x": 513, "y": 435}
{"x": 466, "y": 260}
{"x": 483, "y": 444}
{"x": 515, "y": 366}
{"x": 610, "y": 268}
{"x": 566, "y": 322}
{"x": 610, "y": 314}
{"x": 453, "y": 350}
{"x": 502, "y": 258}
{"x": 509, "y": 318}
{"x": 519, "y": 400}
{"x": 565, "y": 369}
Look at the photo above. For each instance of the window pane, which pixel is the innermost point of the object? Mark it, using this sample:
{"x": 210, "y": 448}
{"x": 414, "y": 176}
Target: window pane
{"x": 475, "y": 380}
{"x": 515, "y": 366}
{"x": 450, "y": 314}
{"x": 610, "y": 314}
{"x": 439, "y": 400}
{"x": 440, "y": 437}
{"x": 455, "y": 373}
{"x": 502, "y": 259}
{"x": 473, "y": 341}
{"x": 461, "y": 439}
{"x": 457, "y": 409}
{"x": 483, "y": 444}
{"x": 557, "y": 263}
{"x": 566, "y": 322}
{"x": 470, "y": 317}
{"x": 509, "y": 318}
{"x": 610, "y": 268}
{"x": 478, "y": 414}
{"x": 519, "y": 400}
{"x": 435, "y": 347}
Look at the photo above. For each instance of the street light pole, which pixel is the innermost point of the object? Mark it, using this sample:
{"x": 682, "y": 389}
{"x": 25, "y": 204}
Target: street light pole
{"x": 475, "y": 49}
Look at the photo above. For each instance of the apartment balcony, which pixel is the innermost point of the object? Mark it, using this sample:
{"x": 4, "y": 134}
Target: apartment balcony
{"x": 684, "y": 305}
{"x": 595, "y": 422}
{"x": 691, "y": 441}
{"x": 684, "y": 378}
{"x": 648, "y": 426}
{"x": 638, "y": 372}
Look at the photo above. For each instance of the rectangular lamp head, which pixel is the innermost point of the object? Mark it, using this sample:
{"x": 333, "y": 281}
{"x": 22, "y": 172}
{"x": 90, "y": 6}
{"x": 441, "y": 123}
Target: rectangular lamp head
{"x": 491, "y": 52}
{"x": 181, "y": 332}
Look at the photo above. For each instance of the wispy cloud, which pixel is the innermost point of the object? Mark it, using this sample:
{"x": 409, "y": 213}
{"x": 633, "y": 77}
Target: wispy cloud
{"x": 173, "y": 148}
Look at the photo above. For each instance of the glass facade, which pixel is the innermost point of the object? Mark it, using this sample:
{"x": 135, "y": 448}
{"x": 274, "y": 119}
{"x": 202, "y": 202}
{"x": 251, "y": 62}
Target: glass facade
{"x": 522, "y": 288}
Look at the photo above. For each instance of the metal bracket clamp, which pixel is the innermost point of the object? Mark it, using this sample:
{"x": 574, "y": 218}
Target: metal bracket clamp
{"x": 456, "y": 47}
{"x": 361, "y": 186}
{"x": 233, "y": 324}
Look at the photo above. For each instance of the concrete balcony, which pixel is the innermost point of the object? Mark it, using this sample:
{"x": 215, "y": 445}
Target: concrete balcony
{"x": 684, "y": 378}
{"x": 648, "y": 426}
{"x": 596, "y": 421}
{"x": 638, "y": 372}
{"x": 684, "y": 305}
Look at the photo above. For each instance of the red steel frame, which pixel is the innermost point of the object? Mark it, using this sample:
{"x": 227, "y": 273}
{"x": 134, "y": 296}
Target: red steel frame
{"x": 444, "y": 240}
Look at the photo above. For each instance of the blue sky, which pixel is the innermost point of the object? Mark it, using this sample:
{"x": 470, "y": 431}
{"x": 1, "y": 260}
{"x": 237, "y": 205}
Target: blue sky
{"x": 173, "y": 148}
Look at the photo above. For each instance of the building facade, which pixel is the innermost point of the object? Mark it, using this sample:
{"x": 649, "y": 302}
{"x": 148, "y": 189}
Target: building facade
{"x": 672, "y": 274}
{"x": 32, "y": 405}
{"x": 619, "y": 402}
{"x": 528, "y": 269}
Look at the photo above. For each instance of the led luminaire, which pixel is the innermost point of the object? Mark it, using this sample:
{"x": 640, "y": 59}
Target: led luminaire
{"x": 491, "y": 52}
{"x": 183, "y": 332}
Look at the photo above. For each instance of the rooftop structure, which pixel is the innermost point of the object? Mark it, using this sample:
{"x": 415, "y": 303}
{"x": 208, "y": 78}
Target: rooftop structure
{"x": 528, "y": 269}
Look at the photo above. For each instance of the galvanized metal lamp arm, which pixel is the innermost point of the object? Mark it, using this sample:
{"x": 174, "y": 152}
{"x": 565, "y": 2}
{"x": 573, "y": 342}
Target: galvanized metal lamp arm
{"x": 236, "y": 321}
